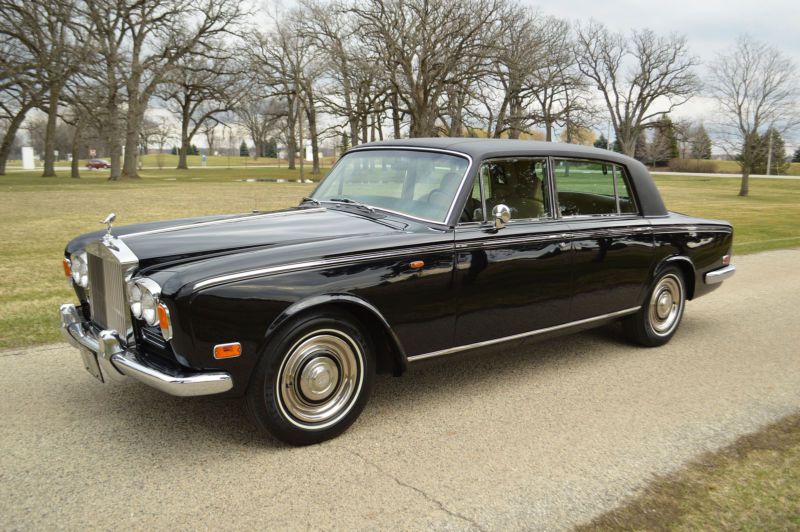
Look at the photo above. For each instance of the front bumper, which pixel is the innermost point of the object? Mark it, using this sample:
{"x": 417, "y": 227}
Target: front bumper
{"x": 115, "y": 361}
{"x": 719, "y": 275}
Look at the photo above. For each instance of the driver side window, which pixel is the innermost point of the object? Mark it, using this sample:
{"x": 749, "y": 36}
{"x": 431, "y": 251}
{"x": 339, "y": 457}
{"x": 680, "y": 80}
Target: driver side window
{"x": 519, "y": 183}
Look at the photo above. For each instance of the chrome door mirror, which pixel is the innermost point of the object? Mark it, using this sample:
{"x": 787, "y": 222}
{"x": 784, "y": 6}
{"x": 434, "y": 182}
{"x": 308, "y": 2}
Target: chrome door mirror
{"x": 501, "y": 214}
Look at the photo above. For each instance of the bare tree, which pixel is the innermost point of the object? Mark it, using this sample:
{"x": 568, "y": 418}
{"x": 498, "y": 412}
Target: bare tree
{"x": 426, "y": 47}
{"x": 756, "y": 88}
{"x": 141, "y": 43}
{"x": 15, "y": 103}
{"x": 260, "y": 117}
{"x": 641, "y": 78}
{"x": 46, "y": 31}
{"x": 199, "y": 89}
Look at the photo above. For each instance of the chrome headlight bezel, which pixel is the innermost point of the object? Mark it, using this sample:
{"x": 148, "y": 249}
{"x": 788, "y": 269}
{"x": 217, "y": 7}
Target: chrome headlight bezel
{"x": 79, "y": 265}
{"x": 144, "y": 296}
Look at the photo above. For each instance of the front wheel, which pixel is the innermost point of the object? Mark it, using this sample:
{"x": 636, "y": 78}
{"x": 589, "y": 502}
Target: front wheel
{"x": 314, "y": 379}
{"x": 658, "y": 319}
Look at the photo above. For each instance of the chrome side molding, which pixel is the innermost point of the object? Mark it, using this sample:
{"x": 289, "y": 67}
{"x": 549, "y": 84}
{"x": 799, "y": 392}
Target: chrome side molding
{"x": 476, "y": 345}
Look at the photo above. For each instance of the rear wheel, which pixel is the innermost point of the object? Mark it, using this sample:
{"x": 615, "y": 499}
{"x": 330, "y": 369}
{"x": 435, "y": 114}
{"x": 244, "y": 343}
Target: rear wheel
{"x": 314, "y": 379}
{"x": 658, "y": 319}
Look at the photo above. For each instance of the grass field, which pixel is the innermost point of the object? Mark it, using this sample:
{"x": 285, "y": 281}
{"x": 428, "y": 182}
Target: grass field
{"x": 39, "y": 215}
{"x": 753, "y": 484}
{"x": 732, "y": 167}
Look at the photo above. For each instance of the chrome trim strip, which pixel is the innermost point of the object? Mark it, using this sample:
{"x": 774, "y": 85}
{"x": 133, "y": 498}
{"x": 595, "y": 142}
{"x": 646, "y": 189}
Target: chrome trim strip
{"x": 717, "y": 276}
{"x": 117, "y": 361}
{"x": 223, "y": 221}
{"x": 467, "y": 347}
{"x": 487, "y": 243}
{"x": 436, "y": 150}
{"x": 335, "y": 261}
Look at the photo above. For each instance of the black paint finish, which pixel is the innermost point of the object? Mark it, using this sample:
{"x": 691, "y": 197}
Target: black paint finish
{"x": 477, "y": 283}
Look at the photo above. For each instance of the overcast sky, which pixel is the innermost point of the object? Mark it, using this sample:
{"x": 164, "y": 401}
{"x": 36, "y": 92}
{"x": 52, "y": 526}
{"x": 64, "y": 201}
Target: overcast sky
{"x": 711, "y": 26}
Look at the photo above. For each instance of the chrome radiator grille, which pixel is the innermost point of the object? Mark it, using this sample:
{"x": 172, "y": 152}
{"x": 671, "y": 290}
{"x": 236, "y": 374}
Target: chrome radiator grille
{"x": 108, "y": 302}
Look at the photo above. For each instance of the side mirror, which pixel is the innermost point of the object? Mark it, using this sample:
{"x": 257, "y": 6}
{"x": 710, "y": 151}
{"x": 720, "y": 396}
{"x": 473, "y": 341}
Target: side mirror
{"x": 501, "y": 214}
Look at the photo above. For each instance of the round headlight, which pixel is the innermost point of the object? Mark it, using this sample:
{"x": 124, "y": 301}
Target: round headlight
{"x": 149, "y": 311}
{"x": 135, "y": 293}
{"x": 80, "y": 269}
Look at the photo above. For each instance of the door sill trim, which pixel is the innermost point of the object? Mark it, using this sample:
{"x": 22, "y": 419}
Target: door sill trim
{"x": 467, "y": 347}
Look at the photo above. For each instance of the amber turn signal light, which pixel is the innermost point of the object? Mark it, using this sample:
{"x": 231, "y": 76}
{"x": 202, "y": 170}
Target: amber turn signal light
{"x": 227, "y": 350}
{"x": 417, "y": 264}
{"x": 163, "y": 321}
{"x": 67, "y": 267}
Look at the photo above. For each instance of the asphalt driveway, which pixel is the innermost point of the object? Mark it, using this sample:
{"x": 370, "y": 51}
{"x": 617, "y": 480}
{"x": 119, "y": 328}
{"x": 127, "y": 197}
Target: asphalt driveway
{"x": 543, "y": 436}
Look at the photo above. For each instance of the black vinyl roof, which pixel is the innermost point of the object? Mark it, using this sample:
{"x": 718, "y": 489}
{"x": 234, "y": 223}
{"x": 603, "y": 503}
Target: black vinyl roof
{"x": 478, "y": 149}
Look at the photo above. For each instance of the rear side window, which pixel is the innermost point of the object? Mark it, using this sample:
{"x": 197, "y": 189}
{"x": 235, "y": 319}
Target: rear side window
{"x": 590, "y": 188}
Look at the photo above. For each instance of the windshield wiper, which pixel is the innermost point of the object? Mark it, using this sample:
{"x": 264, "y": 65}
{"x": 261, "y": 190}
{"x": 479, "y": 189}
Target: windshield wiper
{"x": 353, "y": 203}
{"x": 312, "y": 200}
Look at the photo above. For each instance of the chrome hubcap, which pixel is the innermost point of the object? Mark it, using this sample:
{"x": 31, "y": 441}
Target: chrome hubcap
{"x": 320, "y": 379}
{"x": 666, "y": 305}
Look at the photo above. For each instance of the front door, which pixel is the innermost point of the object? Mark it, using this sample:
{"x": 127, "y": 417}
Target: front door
{"x": 516, "y": 279}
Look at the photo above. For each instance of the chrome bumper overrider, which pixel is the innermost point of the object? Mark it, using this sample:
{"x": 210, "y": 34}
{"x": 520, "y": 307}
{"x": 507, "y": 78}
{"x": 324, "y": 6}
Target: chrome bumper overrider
{"x": 115, "y": 361}
{"x": 717, "y": 276}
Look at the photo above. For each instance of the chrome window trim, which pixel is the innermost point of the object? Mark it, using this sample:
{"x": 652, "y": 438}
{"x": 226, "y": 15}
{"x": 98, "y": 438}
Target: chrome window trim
{"x": 415, "y": 148}
{"x": 625, "y": 177}
{"x": 546, "y": 179}
{"x": 485, "y": 343}
{"x": 219, "y": 222}
{"x": 317, "y": 263}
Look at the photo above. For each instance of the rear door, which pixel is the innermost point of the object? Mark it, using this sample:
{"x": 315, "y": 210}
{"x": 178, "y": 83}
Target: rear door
{"x": 612, "y": 243}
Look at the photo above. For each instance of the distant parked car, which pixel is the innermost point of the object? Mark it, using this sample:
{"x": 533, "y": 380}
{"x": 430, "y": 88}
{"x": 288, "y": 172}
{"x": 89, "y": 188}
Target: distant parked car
{"x": 98, "y": 164}
{"x": 408, "y": 250}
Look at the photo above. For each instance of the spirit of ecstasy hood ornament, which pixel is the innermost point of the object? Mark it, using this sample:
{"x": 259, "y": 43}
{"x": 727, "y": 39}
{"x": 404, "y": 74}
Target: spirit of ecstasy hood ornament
{"x": 108, "y": 221}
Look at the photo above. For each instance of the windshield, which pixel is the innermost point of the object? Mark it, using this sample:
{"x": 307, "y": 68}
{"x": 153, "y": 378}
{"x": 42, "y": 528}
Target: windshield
{"x": 421, "y": 184}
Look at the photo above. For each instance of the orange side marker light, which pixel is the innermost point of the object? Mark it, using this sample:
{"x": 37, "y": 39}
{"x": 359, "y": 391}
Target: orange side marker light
{"x": 67, "y": 267}
{"x": 163, "y": 321}
{"x": 227, "y": 350}
{"x": 417, "y": 264}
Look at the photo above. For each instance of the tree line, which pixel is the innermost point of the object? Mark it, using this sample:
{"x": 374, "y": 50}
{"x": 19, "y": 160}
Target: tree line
{"x": 364, "y": 70}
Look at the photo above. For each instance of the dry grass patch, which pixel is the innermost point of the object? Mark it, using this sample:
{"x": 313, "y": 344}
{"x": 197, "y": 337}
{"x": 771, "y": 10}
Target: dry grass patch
{"x": 754, "y": 484}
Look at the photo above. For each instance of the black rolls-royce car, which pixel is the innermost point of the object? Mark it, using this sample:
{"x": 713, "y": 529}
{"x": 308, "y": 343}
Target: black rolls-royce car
{"x": 407, "y": 250}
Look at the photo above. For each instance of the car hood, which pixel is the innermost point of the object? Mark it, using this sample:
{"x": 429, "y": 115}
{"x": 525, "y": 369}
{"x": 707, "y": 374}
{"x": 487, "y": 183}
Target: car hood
{"x": 171, "y": 243}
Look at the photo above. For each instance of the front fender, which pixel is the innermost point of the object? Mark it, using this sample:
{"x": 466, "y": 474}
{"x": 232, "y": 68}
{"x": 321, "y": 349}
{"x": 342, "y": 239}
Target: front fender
{"x": 365, "y": 311}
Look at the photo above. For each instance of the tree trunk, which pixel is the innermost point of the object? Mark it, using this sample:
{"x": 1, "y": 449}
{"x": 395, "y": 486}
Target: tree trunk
{"x": 75, "y": 171}
{"x": 395, "y": 115}
{"x": 744, "y": 189}
{"x": 50, "y": 133}
{"x": 627, "y": 142}
{"x": 10, "y": 135}
{"x": 311, "y": 114}
{"x": 291, "y": 146}
{"x": 185, "y": 118}
{"x": 135, "y": 117}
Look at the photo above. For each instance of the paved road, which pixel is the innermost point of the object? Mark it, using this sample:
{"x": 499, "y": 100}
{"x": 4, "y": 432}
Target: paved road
{"x": 542, "y": 437}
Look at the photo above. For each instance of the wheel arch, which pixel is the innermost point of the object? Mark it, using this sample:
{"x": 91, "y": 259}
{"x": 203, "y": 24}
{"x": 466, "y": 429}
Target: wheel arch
{"x": 686, "y": 266}
{"x": 390, "y": 355}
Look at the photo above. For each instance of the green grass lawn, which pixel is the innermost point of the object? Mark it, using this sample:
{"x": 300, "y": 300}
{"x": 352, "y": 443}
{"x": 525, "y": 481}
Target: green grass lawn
{"x": 769, "y": 218}
{"x": 39, "y": 215}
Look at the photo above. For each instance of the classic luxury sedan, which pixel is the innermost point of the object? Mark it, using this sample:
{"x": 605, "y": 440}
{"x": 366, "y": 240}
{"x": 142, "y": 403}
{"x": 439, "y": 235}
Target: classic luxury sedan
{"x": 407, "y": 250}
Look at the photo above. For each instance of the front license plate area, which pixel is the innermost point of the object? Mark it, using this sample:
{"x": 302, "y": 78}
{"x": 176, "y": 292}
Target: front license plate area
{"x": 91, "y": 365}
